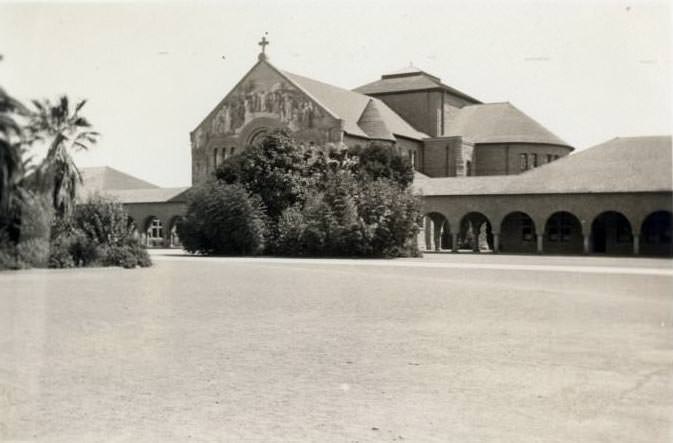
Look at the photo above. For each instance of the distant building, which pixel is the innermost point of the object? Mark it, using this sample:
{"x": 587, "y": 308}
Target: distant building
{"x": 488, "y": 172}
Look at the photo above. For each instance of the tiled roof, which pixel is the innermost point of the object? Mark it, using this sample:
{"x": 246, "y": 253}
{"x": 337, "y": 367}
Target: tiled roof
{"x": 629, "y": 164}
{"x": 105, "y": 177}
{"x": 125, "y": 188}
{"x": 409, "y": 79}
{"x": 350, "y": 106}
{"x": 499, "y": 123}
{"x": 373, "y": 124}
{"x": 150, "y": 195}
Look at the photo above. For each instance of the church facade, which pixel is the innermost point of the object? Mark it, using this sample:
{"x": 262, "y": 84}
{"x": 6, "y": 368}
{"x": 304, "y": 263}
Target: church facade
{"x": 444, "y": 132}
{"x": 491, "y": 177}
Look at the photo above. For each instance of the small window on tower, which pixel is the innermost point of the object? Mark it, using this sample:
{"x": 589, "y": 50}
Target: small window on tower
{"x": 523, "y": 161}
{"x": 550, "y": 158}
{"x": 534, "y": 160}
{"x": 468, "y": 168}
{"x": 232, "y": 150}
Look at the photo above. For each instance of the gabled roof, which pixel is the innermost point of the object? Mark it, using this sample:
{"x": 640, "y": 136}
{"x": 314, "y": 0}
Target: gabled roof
{"x": 499, "y": 123}
{"x": 410, "y": 79}
{"x": 350, "y": 107}
{"x": 126, "y": 188}
{"x": 629, "y": 164}
{"x": 339, "y": 102}
{"x": 105, "y": 177}
{"x": 151, "y": 195}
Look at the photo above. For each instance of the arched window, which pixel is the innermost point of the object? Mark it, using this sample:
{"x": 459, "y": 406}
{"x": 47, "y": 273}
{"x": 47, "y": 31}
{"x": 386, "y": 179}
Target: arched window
{"x": 155, "y": 229}
{"x": 257, "y": 136}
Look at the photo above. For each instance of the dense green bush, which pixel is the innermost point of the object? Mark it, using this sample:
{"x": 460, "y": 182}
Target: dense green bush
{"x": 60, "y": 253}
{"x": 24, "y": 240}
{"x": 275, "y": 170}
{"x": 376, "y": 220}
{"x": 98, "y": 233}
{"x": 319, "y": 201}
{"x": 393, "y": 219}
{"x": 103, "y": 220}
{"x": 223, "y": 219}
{"x": 380, "y": 161}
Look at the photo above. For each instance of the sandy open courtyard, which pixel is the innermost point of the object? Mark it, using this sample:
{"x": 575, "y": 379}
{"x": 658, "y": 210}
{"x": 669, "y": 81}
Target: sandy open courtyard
{"x": 445, "y": 348}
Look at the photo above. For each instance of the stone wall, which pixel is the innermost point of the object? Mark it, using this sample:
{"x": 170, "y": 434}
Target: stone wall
{"x": 427, "y": 111}
{"x": 446, "y": 157}
{"x": 419, "y": 109}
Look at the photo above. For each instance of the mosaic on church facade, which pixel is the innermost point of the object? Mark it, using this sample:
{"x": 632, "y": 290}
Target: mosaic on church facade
{"x": 265, "y": 94}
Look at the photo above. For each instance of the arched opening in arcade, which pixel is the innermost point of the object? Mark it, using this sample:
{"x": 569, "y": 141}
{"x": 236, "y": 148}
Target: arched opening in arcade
{"x": 611, "y": 234}
{"x": 436, "y": 232}
{"x": 563, "y": 234}
{"x": 655, "y": 234}
{"x": 475, "y": 233}
{"x": 154, "y": 232}
{"x": 174, "y": 238}
{"x": 517, "y": 233}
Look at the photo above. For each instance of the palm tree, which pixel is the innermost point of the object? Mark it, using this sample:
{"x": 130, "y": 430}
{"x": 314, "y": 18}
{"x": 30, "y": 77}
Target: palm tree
{"x": 11, "y": 165}
{"x": 65, "y": 131}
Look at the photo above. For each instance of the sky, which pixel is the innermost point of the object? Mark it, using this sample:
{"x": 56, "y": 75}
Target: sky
{"x": 587, "y": 70}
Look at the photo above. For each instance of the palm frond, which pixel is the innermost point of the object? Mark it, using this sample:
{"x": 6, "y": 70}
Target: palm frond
{"x": 79, "y": 106}
{"x": 82, "y": 122}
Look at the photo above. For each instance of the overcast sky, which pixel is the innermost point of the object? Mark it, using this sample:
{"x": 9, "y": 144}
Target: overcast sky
{"x": 587, "y": 70}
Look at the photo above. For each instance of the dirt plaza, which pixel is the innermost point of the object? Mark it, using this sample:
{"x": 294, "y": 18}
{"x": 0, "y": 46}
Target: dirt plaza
{"x": 464, "y": 348}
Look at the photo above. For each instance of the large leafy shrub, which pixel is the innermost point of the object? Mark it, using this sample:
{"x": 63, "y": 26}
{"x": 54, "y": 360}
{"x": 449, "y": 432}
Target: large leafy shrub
{"x": 392, "y": 217}
{"x": 24, "y": 239}
{"x": 275, "y": 170}
{"x": 98, "y": 233}
{"x": 381, "y": 161}
{"x": 320, "y": 201}
{"x": 223, "y": 219}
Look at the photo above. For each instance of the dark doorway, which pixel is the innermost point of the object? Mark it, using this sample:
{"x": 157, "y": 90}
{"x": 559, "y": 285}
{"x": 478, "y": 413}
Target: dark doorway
{"x": 611, "y": 234}
{"x": 563, "y": 234}
{"x": 517, "y": 233}
{"x": 656, "y": 237}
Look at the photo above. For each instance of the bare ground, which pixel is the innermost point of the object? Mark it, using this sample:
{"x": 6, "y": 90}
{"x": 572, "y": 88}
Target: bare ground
{"x": 224, "y": 350}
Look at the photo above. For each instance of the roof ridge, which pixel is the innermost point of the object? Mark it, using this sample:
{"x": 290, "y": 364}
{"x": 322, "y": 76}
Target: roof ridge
{"x": 323, "y": 83}
{"x": 287, "y": 76}
{"x": 491, "y": 103}
{"x": 643, "y": 136}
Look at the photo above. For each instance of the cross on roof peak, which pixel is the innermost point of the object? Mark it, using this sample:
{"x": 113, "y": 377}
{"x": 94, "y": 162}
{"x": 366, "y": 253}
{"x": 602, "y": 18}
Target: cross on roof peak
{"x": 263, "y": 43}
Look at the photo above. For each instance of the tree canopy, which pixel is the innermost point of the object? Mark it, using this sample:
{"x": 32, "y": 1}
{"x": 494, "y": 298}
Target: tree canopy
{"x": 316, "y": 201}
